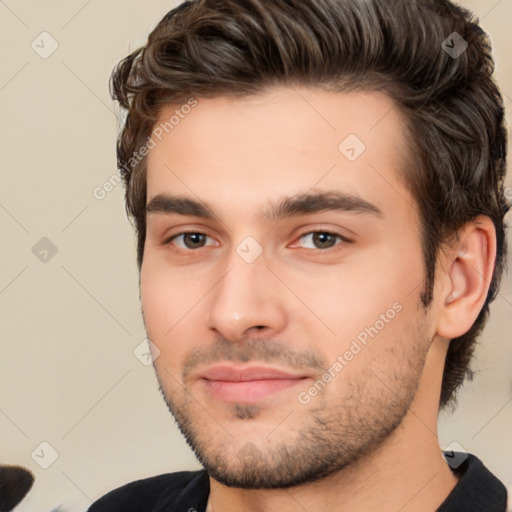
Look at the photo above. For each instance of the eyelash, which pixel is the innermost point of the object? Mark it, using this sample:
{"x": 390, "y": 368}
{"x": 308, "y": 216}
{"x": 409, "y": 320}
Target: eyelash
{"x": 342, "y": 240}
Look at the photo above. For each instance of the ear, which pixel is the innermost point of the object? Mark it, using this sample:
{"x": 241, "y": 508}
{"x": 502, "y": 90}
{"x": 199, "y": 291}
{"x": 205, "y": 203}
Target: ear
{"x": 466, "y": 274}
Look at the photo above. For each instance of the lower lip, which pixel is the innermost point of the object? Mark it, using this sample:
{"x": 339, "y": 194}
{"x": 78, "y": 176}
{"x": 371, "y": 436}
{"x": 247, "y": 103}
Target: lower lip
{"x": 248, "y": 391}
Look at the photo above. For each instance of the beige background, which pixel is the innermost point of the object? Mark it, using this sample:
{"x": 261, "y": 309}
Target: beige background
{"x": 68, "y": 374}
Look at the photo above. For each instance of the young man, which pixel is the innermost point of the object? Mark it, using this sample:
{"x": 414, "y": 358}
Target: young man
{"x": 317, "y": 187}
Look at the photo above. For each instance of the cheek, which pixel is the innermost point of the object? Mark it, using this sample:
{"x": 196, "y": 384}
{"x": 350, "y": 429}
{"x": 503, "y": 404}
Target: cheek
{"x": 362, "y": 287}
{"x": 365, "y": 299}
{"x": 167, "y": 293}
{"x": 157, "y": 302}
{"x": 165, "y": 303}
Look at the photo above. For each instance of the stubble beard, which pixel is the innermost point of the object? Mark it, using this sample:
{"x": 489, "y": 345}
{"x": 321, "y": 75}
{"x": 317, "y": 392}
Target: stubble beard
{"x": 318, "y": 441}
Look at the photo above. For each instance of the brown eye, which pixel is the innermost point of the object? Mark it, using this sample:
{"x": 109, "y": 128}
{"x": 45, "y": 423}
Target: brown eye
{"x": 191, "y": 240}
{"x": 324, "y": 240}
{"x": 194, "y": 240}
{"x": 320, "y": 240}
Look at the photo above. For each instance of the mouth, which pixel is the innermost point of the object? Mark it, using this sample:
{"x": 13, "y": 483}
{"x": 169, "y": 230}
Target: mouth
{"x": 248, "y": 384}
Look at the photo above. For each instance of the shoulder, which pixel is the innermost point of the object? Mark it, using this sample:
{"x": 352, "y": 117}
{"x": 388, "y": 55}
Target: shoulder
{"x": 156, "y": 493}
{"x": 477, "y": 489}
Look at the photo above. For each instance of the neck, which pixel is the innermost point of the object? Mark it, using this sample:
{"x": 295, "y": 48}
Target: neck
{"x": 405, "y": 473}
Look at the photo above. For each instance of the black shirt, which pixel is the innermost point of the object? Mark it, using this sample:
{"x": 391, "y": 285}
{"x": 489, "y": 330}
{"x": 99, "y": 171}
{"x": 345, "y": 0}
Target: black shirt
{"x": 478, "y": 490}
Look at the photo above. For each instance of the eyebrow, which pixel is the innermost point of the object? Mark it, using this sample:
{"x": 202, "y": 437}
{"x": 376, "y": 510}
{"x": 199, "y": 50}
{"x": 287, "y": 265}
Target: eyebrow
{"x": 294, "y": 206}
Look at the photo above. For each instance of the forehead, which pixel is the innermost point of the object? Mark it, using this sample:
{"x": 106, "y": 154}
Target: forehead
{"x": 287, "y": 140}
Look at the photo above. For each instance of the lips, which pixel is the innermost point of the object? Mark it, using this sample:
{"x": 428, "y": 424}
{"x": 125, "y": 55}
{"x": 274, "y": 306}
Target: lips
{"x": 247, "y": 384}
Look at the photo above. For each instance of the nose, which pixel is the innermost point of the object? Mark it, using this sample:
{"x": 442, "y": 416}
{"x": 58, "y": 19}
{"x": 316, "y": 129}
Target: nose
{"x": 246, "y": 301}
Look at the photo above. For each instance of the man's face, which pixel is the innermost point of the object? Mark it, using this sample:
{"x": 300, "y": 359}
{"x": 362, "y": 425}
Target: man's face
{"x": 287, "y": 316}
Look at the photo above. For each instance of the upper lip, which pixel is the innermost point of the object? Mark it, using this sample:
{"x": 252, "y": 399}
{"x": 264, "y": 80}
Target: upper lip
{"x": 245, "y": 374}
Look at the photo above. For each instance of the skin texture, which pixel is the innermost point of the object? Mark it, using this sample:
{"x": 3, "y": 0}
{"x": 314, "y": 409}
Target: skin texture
{"x": 368, "y": 437}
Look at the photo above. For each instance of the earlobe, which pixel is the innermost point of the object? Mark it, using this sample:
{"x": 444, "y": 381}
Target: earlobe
{"x": 467, "y": 276}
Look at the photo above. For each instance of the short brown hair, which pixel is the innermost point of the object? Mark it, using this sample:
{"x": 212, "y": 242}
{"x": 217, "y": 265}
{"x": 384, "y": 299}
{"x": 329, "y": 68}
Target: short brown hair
{"x": 452, "y": 106}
